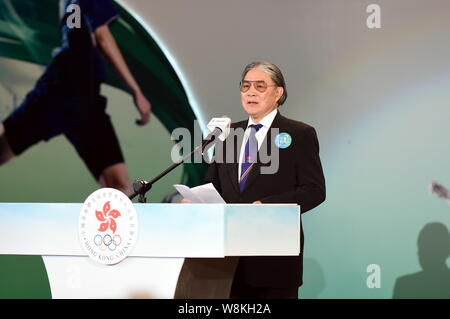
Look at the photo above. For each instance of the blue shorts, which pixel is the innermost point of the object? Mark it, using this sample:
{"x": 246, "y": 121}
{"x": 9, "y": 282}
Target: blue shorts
{"x": 52, "y": 108}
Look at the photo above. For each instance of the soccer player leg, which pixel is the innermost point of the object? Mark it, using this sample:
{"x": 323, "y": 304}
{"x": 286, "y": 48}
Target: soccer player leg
{"x": 6, "y": 153}
{"x": 116, "y": 176}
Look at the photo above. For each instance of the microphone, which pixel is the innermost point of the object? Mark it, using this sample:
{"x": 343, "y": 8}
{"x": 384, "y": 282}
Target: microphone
{"x": 221, "y": 123}
{"x": 219, "y": 127}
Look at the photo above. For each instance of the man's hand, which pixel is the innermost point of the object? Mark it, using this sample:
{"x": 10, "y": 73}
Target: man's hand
{"x": 257, "y": 202}
{"x": 185, "y": 201}
{"x": 144, "y": 107}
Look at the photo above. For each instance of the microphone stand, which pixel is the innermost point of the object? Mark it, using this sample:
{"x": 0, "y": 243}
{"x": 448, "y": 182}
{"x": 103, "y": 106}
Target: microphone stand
{"x": 141, "y": 187}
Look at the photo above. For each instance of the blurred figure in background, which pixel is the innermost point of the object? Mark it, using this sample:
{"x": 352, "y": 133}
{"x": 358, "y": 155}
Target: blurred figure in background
{"x": 66, "y": 98}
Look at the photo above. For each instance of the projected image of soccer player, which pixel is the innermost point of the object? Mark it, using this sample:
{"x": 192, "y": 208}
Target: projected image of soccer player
{"x": 66, "y": 98}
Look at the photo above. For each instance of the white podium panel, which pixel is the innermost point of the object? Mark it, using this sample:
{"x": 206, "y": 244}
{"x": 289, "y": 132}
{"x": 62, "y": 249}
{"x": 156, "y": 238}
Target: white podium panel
{"x": 135, "y": 277}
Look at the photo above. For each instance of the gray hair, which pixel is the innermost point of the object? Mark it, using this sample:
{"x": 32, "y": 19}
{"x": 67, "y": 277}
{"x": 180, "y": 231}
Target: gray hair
{"x": 273, "y": 71}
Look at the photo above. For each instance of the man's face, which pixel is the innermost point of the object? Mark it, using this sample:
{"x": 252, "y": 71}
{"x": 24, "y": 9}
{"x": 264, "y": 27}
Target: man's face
{"x": 258, "y": 104}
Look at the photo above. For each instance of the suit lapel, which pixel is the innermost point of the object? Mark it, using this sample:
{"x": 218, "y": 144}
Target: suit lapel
{"x": 233, "y": 168}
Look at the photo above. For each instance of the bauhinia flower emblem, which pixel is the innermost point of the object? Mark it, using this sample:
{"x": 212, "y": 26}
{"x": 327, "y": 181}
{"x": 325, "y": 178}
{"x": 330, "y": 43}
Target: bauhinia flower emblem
{"x": 108, "y": 218}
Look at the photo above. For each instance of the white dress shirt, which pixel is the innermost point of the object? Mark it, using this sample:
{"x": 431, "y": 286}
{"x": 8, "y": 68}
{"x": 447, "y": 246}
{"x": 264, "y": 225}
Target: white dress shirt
{"x": 260, "y": 135}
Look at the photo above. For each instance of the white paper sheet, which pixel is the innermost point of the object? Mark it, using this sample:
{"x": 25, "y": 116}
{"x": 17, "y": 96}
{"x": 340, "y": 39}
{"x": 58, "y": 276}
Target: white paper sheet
{"x": 206, "y": 193}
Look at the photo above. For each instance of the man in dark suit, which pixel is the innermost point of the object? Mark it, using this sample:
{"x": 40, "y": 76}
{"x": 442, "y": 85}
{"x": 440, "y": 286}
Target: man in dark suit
{"x": 298, "y": 177}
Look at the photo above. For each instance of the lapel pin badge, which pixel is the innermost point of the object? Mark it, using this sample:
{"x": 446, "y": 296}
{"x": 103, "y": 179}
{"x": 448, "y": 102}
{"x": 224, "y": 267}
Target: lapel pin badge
{"x": 283, "y": 140}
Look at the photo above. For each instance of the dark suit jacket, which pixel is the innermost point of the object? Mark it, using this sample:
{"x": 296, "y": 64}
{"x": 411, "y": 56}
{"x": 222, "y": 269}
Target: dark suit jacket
{"x": 299, "y": 179}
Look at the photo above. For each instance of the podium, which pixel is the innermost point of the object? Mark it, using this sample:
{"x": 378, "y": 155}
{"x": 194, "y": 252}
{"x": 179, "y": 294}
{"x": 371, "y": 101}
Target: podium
{"x": 182, "y": 250}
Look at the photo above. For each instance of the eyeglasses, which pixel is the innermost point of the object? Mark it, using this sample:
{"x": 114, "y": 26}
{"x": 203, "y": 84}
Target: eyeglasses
{"x": 260, "y": 86}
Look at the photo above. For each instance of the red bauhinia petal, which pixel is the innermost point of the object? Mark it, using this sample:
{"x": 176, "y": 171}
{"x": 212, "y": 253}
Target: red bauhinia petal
{"x": 114, "y": 213}
{"x": 113, "y": 225}
{"x": 99, "y": 216}
{"x": 103, "y": 226}
{"x": 106, "y": 208}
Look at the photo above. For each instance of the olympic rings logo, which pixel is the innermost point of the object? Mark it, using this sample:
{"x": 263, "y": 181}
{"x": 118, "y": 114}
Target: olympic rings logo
{"x": 107, "y": 242}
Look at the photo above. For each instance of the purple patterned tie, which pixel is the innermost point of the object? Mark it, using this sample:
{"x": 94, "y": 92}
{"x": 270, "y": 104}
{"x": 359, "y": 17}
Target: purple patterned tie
{"x": 251, "y": 150}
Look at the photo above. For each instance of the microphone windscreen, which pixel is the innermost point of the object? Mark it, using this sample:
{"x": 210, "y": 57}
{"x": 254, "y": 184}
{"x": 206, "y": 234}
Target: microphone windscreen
{"x": 223, "y": 123}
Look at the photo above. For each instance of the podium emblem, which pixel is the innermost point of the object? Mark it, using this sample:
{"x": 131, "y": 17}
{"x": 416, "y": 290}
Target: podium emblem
{"x": 108, "y": 226}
